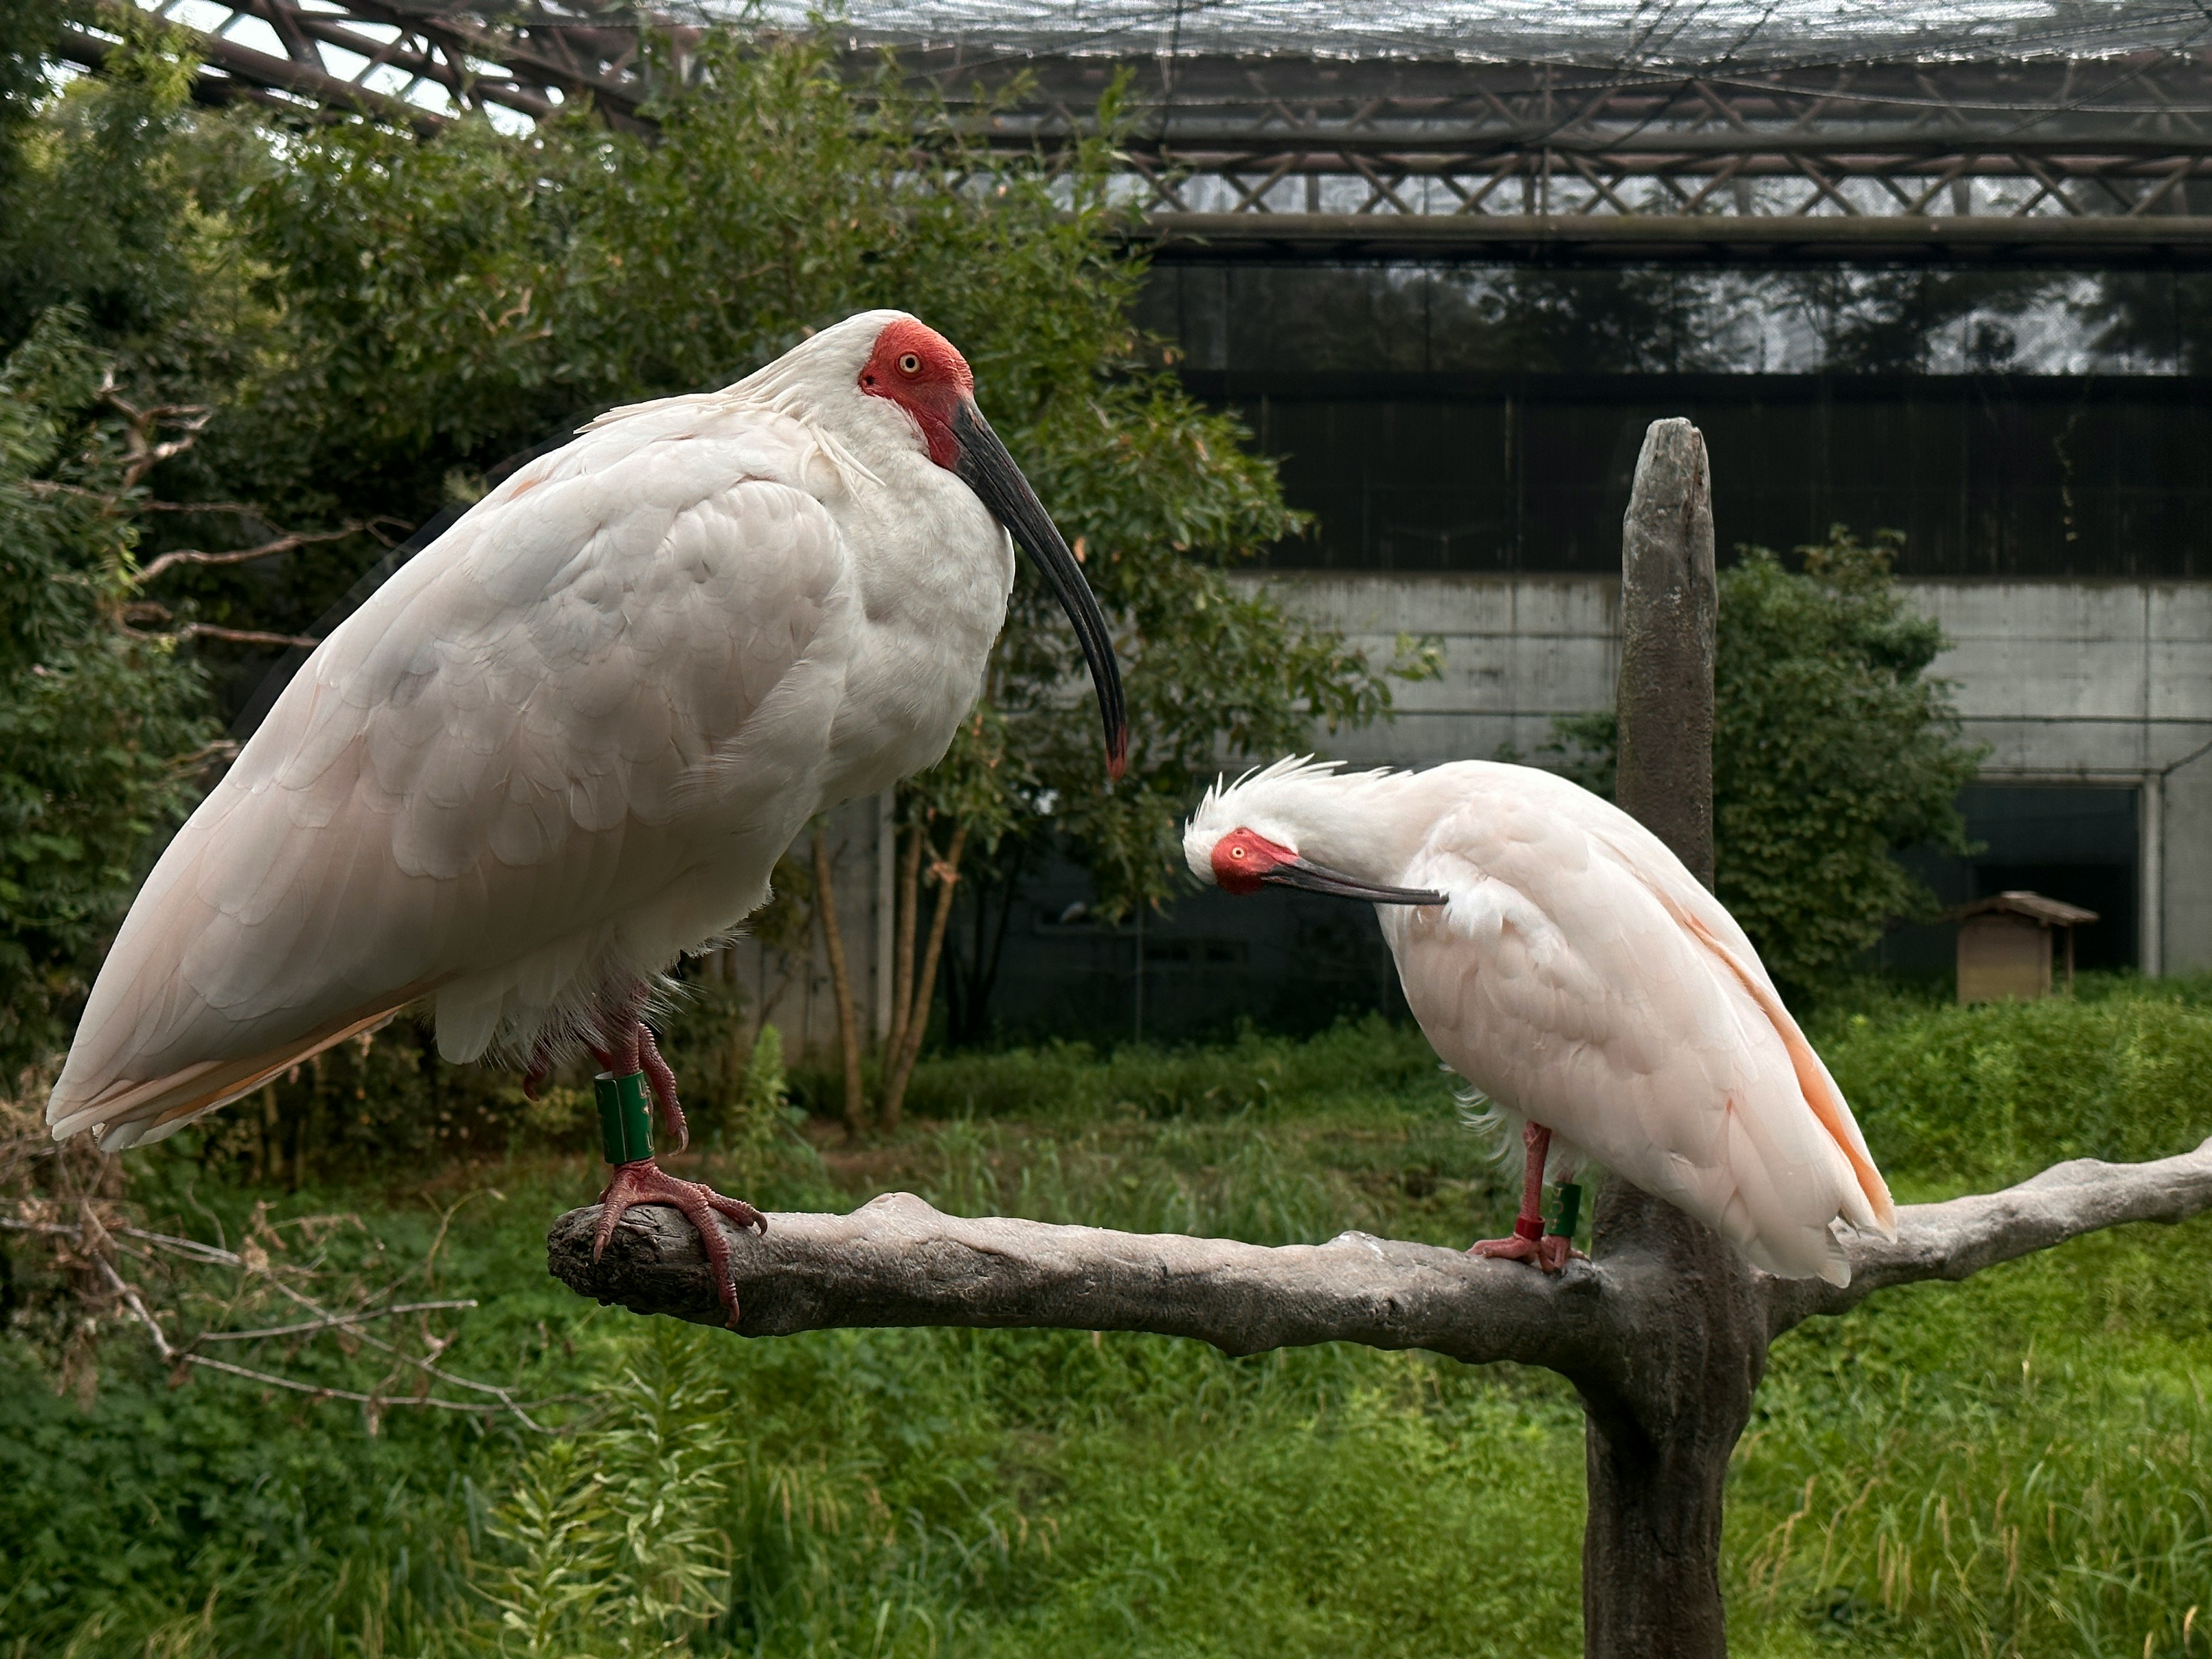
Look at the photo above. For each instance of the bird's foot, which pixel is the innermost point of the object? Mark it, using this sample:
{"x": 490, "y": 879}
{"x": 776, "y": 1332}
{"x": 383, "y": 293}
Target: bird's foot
{"x": 1549, "y": 1251}
{"x": 646, "y": 1182}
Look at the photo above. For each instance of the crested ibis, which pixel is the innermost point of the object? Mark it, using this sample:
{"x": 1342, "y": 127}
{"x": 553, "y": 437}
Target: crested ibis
{"x": 1564, "y": 963}
{"x": 567, "y": 741}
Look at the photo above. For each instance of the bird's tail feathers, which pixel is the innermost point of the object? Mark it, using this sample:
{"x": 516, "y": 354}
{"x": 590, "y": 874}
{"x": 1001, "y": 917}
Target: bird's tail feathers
{"x": 131, "y": 1112}
{"x": 1869, "y": 1207}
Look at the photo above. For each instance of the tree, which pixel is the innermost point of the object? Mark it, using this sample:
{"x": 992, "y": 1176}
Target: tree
{"x": 1833, "y": 750}
{"x": 101, "y": 727}
{"x": 1664, "y": 1333}
{"x": 403, "y": 314}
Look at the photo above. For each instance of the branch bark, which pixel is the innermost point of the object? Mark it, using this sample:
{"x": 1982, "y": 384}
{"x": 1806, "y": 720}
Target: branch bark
{"x": 896, "y": 1261}
{"x": 1957, "y": 1240}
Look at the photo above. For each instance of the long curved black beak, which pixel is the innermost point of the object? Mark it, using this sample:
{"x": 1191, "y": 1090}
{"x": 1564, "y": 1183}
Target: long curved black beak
{"x": 1318, "y": 878}
{"x": 986, "y": 468}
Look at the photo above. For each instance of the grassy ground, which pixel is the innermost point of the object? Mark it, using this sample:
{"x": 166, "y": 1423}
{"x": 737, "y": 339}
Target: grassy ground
{"x": 2012, "y": 1466}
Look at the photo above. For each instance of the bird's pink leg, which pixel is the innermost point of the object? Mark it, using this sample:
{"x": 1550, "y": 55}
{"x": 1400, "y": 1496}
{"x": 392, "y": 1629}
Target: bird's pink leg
{"x": 1529, "y": 1242}
{"x": 664, "y": 1086}
{"x": 630, "y": 1047}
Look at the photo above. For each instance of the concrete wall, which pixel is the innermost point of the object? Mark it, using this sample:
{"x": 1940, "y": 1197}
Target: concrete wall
{"x": 2104, "y": 682}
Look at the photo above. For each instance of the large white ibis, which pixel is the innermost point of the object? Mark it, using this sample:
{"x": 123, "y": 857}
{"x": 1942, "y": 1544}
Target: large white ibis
{"x": 1564, "y": 963}
{"x": 569, "y": 739}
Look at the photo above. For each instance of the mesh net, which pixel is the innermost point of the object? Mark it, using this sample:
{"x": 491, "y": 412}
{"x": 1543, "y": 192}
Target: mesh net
{"x": 1616, "y": 34}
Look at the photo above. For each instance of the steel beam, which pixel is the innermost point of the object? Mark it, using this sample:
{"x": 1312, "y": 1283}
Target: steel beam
{"x": 2076, "y": 161}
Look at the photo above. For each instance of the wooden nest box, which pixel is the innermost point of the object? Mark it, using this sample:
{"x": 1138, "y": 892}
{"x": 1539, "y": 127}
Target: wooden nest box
{"x": 2004, "y": 946}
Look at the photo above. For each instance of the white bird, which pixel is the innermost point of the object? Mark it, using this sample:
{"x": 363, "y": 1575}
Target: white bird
{"x": 1561, "y": 959}
{"x": 568, "y": 740}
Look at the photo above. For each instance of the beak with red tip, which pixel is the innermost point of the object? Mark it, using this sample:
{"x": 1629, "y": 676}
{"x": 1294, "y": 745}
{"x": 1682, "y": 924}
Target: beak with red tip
{"x": 986, "y": 468}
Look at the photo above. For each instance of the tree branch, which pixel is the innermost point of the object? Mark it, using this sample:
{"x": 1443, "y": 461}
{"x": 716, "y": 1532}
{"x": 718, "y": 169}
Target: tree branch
{"x": 287, "y": 542}
{"x": 897, "y": 1262}
{"x": 236, "y": 636}
{"x": 1958, "y": 1239}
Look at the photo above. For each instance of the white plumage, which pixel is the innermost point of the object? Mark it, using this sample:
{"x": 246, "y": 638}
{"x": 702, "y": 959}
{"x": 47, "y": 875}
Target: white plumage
{"x": 568, "y": 740}
{"x": 1581, "y": 979}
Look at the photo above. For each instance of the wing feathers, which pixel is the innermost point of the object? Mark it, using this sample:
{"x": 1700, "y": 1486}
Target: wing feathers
{"x": 482, "y": 779}
{"x": 1572, "y": 986}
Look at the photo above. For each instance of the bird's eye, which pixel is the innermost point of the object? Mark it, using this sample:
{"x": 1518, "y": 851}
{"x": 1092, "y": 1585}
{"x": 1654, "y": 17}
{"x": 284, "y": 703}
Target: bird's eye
{"x": 1236, "y": 851}
{"x": 909, "y": 364}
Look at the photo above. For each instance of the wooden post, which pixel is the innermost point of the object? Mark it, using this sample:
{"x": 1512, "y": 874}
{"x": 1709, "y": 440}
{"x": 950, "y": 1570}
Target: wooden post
{"x": 1655, "y": 1457}
{"x": 1669, "y": 605}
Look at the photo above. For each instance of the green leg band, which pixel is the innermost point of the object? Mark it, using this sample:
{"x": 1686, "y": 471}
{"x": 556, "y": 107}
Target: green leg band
{"x": 625, "y": 1123}
{"x": 1570, "y": 1210}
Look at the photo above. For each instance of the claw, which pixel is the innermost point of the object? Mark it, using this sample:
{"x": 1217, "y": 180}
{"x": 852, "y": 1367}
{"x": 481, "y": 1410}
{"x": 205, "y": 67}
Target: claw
{"x": 646, "y": 1182}
{"x": 1550, "y": 1253}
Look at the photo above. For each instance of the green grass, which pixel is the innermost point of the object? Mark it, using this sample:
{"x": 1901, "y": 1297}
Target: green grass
{"x": 2012, "y": 1466}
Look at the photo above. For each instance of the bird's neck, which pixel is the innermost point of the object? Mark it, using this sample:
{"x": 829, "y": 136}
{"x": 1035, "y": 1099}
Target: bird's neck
{"x": 1368, "y": 827}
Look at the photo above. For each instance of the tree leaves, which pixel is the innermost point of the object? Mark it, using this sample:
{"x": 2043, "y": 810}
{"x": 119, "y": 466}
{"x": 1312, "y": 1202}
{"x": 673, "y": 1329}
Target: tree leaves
{"x": 1833, "y": 748}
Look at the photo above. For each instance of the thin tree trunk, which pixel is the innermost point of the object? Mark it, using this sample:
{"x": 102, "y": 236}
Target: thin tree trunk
{"x": 908, "y": 902}
{"x": 948, "y": 874}
{"x": 841, "y": 984}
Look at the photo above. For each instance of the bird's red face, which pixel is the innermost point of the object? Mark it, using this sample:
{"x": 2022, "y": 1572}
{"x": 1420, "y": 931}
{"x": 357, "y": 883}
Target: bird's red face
{"x": 1244, "y": 858}
{"x": 918, "y": 369}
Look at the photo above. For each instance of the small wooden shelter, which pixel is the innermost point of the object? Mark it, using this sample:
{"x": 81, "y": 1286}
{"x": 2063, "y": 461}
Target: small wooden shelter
{"x": 2004, "y": 946}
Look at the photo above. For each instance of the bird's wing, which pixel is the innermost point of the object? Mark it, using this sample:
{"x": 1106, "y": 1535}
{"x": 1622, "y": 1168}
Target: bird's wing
{"x": 500, "y": 753}
{"x": 1694, "y": 907}
{"x": 1561, "y": 984}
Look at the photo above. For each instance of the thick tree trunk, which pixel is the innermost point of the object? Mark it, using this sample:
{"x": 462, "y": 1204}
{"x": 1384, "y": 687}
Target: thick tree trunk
{"x": 1656, "y": 1451}
{"x": 1669, "y": 611}
{"x": 1657, "y": 1447}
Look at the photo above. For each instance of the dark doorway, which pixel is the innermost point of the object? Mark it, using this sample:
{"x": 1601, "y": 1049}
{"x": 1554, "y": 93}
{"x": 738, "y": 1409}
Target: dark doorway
{"x": 2071, "y": 841}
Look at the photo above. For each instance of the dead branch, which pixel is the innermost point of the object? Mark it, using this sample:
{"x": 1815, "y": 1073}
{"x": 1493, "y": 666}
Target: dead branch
{"x": 898, "y": 1262}
{"x": 268, "y": 549}
{"x": 1958, "y": 1239}
{"x": 96, "y": 1241}
{"x": 143, "y": 448}
{"x": 234, "y": 636}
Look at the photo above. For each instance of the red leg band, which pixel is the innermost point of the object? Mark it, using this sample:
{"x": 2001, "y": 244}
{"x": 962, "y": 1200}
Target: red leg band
{"x": 1528, "y": 1227}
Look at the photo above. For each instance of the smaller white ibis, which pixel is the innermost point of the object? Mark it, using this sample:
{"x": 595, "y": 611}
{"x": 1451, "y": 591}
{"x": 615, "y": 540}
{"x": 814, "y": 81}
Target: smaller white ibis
{"x": 1564, "y": 963}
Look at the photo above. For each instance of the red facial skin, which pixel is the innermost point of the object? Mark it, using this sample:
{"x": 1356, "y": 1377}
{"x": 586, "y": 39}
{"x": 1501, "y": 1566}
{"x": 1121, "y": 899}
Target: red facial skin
{"x": 1243, "y": 857}
{"x": 917, "y": 368}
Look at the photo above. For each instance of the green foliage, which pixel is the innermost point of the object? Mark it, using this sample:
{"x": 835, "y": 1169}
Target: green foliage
{"x": 1989, "y": 1094}
{"x": 97, "y": 723}
{"x": 611, "y": 1539}
{"x": 1832, "y": 751}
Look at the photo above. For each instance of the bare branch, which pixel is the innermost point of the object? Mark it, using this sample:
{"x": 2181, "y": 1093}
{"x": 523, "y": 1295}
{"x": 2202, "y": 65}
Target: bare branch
{"x": 897, "y": 1262}
{"x": 1958, "y": 1239}
{"x": 143, "y": 449}
{"x": 238, "y": 636}
{"x": 332, "y": 1321}
{"x": 268, "y": 549}
{"x": 90, "y": 1233}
